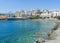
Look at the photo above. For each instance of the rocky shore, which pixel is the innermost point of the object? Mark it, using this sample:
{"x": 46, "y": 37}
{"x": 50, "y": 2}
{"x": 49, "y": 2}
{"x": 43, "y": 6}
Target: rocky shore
{"x": 54, "y": 33}
{"x": 57, "y": 32}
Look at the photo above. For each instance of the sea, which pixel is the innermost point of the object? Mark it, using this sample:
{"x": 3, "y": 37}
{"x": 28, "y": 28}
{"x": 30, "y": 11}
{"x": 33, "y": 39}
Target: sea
{"x": 23, "y": 31}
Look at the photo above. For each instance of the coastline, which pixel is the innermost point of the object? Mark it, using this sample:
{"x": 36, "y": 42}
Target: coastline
{"x": 56, "y": 30}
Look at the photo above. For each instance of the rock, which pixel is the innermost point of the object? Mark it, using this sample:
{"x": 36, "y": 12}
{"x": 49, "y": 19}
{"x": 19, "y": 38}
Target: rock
{"x": 40, "y": 40}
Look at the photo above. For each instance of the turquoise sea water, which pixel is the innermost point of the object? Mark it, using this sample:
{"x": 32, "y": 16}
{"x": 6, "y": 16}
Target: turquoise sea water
{"x": 23, "y": 31}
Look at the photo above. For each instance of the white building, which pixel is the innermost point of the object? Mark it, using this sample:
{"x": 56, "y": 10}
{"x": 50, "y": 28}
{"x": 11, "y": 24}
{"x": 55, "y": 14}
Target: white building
{"x": 33, "y": 12}
{"x": 56, "y": 13}
{"x": 18, "y": 14}
{"x": 45, "y": 13}
{"x": 50, "y": 13}
{"x": 28, "y": 13}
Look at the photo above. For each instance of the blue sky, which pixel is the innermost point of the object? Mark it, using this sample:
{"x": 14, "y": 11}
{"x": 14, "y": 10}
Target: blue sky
{"x": 15, "y": 5}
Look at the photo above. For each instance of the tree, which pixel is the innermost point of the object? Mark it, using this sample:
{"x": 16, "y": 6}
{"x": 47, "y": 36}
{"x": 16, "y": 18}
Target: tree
{"x": 38, "y": 12}
{"x": 14, "y": 16}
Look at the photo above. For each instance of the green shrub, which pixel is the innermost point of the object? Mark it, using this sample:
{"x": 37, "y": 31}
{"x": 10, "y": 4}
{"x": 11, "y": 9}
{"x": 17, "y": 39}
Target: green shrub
{"x": 58, "y": 17}
{"x": 34, "y": 17}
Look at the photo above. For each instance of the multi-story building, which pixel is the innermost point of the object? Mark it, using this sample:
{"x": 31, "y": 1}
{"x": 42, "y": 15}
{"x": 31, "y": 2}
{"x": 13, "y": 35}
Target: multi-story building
{"x": 28, "y": 13}
{"x": 45, "y": 13}
{"x": 23, "y": 13}
{"x": 56, "y": 13}
{"x": 33, "y": 12}
{"x": 41, "y": 13}
{"x": 18, "y": 14}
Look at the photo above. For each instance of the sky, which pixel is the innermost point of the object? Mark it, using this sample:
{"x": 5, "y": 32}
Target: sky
{"x": 16, "y": 5}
